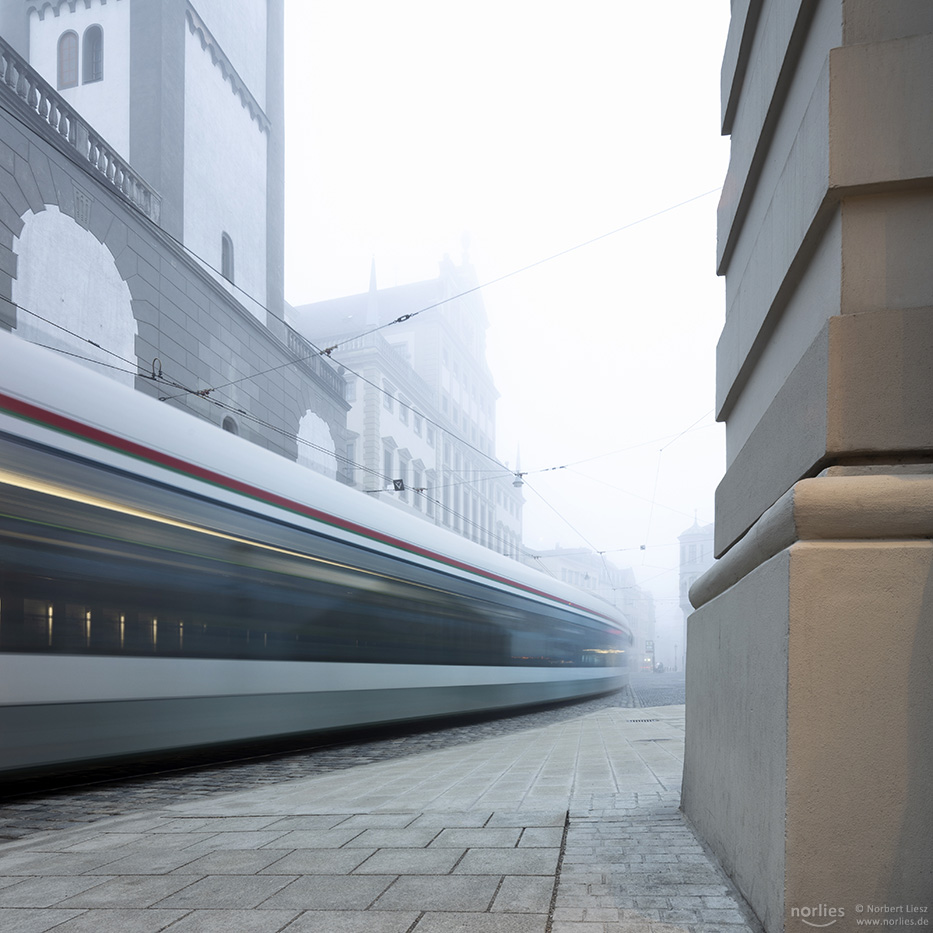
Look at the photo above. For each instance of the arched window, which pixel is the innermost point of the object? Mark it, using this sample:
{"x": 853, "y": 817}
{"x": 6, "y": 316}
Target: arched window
{"x": 93, "y": 63}
{"x": 226, "y": 257}
{"x": 231, "y": 425}
{"x": 68, "y": 60}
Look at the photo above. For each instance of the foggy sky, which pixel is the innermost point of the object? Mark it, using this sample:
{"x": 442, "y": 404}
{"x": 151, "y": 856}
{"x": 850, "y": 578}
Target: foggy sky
{"x": 535, "y": 127}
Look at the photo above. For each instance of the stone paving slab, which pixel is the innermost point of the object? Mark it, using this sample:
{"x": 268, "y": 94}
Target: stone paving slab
{"x": 570, "y": 828}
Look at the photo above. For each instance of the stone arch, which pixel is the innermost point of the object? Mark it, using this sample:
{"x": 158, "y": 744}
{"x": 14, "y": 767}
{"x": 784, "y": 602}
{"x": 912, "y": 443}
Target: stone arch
{"x": 66, "y": 277}
{"x": 316, "y": 446}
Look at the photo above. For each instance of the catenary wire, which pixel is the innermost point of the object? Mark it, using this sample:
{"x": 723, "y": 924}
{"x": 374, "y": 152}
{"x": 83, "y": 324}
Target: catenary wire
{"x": 438, "y": 503}
{"x": 327, "y": 351}
{"x": 532, "y": 265}
{"x": 92, "y": 173}
{"x": 159, "y": 377}
{"x": 621, "y": 450}
{"x": 497, "y": 474}
{"x": 562, "y": 518}
{"x": 494, "y": 474}
{"x": 232, "y": 407}
{"x": 627, "y": 492}
{"x": 95, "y": 174}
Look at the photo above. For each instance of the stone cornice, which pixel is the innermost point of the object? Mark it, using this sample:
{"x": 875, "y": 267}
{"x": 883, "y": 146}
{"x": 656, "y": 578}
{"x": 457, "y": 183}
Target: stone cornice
{"x": 43, "y": 6}
{"x": 197, "y": 27}
{"x": 835, "y": 507}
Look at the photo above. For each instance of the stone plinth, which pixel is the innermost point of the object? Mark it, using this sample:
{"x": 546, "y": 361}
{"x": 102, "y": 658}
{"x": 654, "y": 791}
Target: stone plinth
{"x": 810, "y": 654}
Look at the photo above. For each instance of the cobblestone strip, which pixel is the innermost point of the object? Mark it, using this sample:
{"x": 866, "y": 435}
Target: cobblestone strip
{"x": 667, "y": 689}
{"x": 560, "y": 861}
{"x": 24, "y": 815}
{"x": 635, "y": 865}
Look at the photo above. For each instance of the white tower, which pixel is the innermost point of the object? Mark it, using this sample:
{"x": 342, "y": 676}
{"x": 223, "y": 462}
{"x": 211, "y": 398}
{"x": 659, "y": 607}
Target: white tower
{"x": 191, "y": 94}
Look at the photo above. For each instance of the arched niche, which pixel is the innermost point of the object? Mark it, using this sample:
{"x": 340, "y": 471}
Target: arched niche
{"x": 69, "y": 292}
{"x": 316, "y": 447}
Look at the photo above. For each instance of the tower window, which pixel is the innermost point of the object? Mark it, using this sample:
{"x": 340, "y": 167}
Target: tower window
{"x": 93, "y": 64}
{"x": 68, "y": 60}
{"x": 226, "y": 257}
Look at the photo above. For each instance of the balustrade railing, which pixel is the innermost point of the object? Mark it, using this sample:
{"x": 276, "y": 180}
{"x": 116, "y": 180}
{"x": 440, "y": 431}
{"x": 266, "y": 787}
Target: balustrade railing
{"x": 385, "y": 348}
{"x": 312, "y": 359}
{"x": 39, "y": 101}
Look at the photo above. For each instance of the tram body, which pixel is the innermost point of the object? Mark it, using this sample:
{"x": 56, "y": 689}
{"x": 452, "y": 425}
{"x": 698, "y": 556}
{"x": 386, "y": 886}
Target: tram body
{"x": 165, "y": 584}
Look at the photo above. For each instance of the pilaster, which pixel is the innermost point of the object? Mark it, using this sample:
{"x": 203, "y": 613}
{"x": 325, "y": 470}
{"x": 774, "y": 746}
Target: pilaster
{"x": 275, "y": 166}
{"x": 157, "y": 104}
{"x": 810, "y": 653}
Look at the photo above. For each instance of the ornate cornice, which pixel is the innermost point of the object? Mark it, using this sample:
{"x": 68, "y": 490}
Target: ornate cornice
{"x": 831, "y": 507}
{"x": 197, "y": 27}
{"x": 43, "y": 6}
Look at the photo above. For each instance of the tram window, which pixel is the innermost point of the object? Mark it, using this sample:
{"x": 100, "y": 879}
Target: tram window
{"x": 68, "y": 633}
{"x": 137, "y": 633}
{"x": 130, "y": 607}
{"x": 33, "y": 630}
{"x": 105, "y": 631}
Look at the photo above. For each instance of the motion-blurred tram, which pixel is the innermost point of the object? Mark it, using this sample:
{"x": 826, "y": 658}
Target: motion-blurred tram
{"x": 165, "y": 584}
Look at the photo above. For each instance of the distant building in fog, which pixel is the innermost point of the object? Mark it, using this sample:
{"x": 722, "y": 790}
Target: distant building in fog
{"x": 423, "y": 402}
{"x": 590, "y": 571}
{"x": 696, "y": 557}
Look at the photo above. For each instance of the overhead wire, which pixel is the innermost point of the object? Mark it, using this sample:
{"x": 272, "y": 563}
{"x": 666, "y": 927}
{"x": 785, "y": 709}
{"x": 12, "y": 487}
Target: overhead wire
{"x": 532, "y": 265}
{"x": 77, "y": 336}
{"x": 628, "y": 492}
{"x": 232, "y": 407}
{"x": 159, "y": 376}
{"x": 689, "y": 427}
{"x": 327, "y": 351}
{"x": 466, "y": 443}
{"x": 92, "y": 172}
{"x": 338, "y": 458}
{"x": 657, "y": 473}
{"x": 592, "y": 547}
{"x": 621, "y": 450}
{"x": 457, "y": 517}
{"x": 562, "y": 518}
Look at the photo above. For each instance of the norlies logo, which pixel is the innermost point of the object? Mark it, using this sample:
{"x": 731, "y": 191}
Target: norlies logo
{"x": 820, "y": 916}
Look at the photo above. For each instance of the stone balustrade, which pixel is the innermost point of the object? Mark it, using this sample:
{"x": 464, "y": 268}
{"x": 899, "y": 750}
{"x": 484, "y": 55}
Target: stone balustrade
{"x": 378, "y": 342}
{"x": 37, "y": 101}
{"x": 311, "y": 358}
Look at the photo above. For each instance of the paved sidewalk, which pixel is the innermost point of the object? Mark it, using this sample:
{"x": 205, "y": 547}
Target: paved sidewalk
{"x": 571, "y": 828}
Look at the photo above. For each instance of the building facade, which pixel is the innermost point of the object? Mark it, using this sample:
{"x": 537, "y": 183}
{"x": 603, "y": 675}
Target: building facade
{"x": 696, "y": 557}
{"x": 192, "y": 96}
{"x": 143, "y": 172}
{"x": 423, "y": 416}
{"x": 808, "y": 765}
